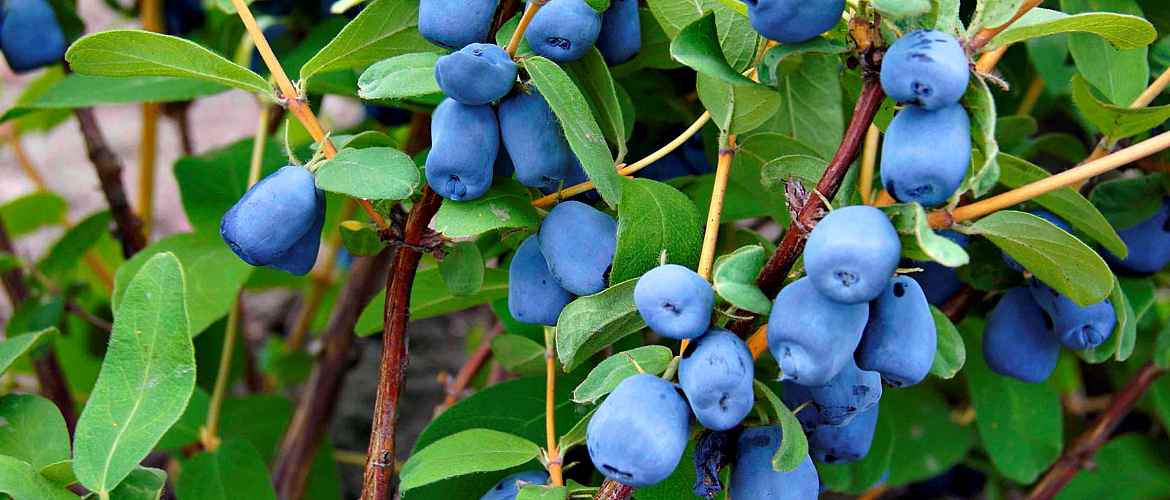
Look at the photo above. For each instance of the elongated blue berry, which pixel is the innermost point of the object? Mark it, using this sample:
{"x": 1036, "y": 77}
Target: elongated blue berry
{"x": 716, "y": 374}
{"x": 852, "y": 253}
{"x": 926, "y": 154}
{"x": 813, "y": 337}
{"x": 1018, "y": 341}
{"x": 638, "y": 434}
{"x": 900, "y": 339}
{"x": 928, "y": 69}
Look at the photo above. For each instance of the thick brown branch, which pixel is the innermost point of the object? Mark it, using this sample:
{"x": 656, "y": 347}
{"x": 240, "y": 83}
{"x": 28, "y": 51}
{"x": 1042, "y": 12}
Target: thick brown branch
{"x": 772, "y": 276}
{"x": 320, "y": 395}
{"x": 612, "y": 490}
{"x": 380, "y": 471}
{"x": 50, "y": 377}
{"x": 109, "y": 172}
{"x": 1081, "y": 453}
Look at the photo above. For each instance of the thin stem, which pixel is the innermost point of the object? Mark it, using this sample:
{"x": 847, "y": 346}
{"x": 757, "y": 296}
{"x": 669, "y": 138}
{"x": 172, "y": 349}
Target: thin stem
{"x": 1069, "y": 177}
{"x": 1031, "y": 97}
{"x": 1147, "y": 96}
{"x": 474, "y": 364}
{"x": 109, "y": 172}
{"x": 1080, "y": 454}
{"x": 715, "y": 212}
{"x": 987, "y": 61}
{"x": 550, "y": 405}
{"x": 518, "y": 35}
{"x": 151, "y": 17}
{"x": 259, "y": 142}
{"x": 293, "y": 100}
{"x": 632, "y": 168}
{"x": 984, "y": 36}
{"x": 869, "y": 163}
{"x": 209, "y": 434}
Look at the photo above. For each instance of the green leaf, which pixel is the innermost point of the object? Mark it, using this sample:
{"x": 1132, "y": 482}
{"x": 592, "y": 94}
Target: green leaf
{"x": 1122, "y": 31}
{"x": 1121, "y": 344}
{"x": 33, "y": 431}
{"x": 468, "y": 452}
{"x": 212, "y": 273}
{"x": 25, "y": 214}
{"x": 577, "y": 435}
{"x": 901, "y": 9}
{"x": 21, "y": 481}
{"x": 147, "y": 377}
{"x": 1057, "y": 258}
{"x": 235, "y": 470}
{"x": 737, "y": 38}
{"x": 15, "y": 347}
{"x": 79, "y": 91}
{"x": 951, "y": 354}
{"x": 65, "y": 254}
{"x": 810, "y": 103}
{"x": 1019, "y": 423}
{"x": 592, "y": 76}
{"x": 775, "y": 63}
{"x": 589, "y": 324}
{"x": 1161, "y": 354}
{"x": 142, "y": 53}
{"x": 539, "y": 492}
{"x": 430, "y": 297}
{"x": 980, "y": 106}
{"x": 462, "y": 269}
{"x": 858, "y": 477}
{"x": 1130, "y": 467}
{"x": 1116, "y": 122}
{"x": 584, "y": 135}
{"x": 697, "y": 46}
{"x": 735, "y": 279}
{"x": 655, "y": 51}
{"x": 506, "y": 204}
{"x": 737, "y": 109}
{"x": 518, "y": 354}
{"x": 143, "y": 483}
{"x": 385, "y": 28}
{"x": 400, "y": 77}
{"x": 370, "y": 173}
{"x": 606, "y": 376}
{"x": 654, "y": 219}
{"x": 1120, "y": 74}
{"x": 1065, "y": 202}
{"x": 60, "y": 473}
{"x": 214, "y": 181}
{"x": 361, "y": 238}
{"x": 793, "y": 449}
{"x": 919, "y": 241}
{"x": 932, "y": 444}
{"x": 186, "y": 430}
{"x": 994, "y": 13}
{"x": 1127, "y": 202}
{"x": 774, "y": 174}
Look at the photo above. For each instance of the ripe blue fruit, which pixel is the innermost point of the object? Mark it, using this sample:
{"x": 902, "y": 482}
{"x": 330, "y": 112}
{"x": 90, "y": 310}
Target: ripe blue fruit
{"x": 477, "y": 74}
{"x": 811, "y": 336}
{"x": 181, "y": 17}
{"x": 675, "y": 301}
{"x": 926, "y": 154}
{"x": 277, "y": 222}
{"x": 900, "y": 339}
{"x": 848, "y": 394}
{"x": 535, "y": 141}
{"x": 509, "y": 487}
{"x": 794, "y": 21}
{"x": 30, "y": 35}
{"x": 621, "y": 32}
{"x": 752, "y": 475}
{"x": 534, "y": 296}
{"x": 564, "y": 30}
{"x": 795, "y": 395}
{"x": 465, "y": 141}
{"x": 1018, "y": 341}
{"x": 847, "y": 443}
{"x": 639, "y": 433}
{"x": 578, "y": 242}
{"x": 503, "y": 166}
{"x": 1043, "y": 214}
{"x": 852, "y": 253}
{"x": 928, "y": 69}
{"x": 1077, "y": 327}
{"x": 452, "y": 26}
{"x": 576, "y": 176}
{"x": 716, "y": 374}
{"x": 1148, "y": 242}
{"x": 939, "y": 282}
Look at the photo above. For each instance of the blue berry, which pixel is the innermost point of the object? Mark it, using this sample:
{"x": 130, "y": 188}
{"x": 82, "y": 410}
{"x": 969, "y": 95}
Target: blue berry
{"x": 852, "y": 254}
{"x": 752, "y": 475}
{"x": 638, "y": 434}
{"x": 717, "y": 374}
{"x": 477, "y": 74}
{"x": 578, "y": 242}
{"x": 794, "y": 21}
{"x": 675, "y": 301}
{"x": 278, "y": 222}
{"x": 900, "y": 340}
{"x": 465, "y": 141}
{"x": 535, "y": 141}
{"x": 1078, "y": 327}
{"x": 534, "y": 296}
{"x": 564, "y": 30}
{"x": 621, "y": 32}
{"x": 928, "y": 69}
{"x": 1018, "y": 341}
{"x": 30, "y": 35}
{"x": 926, "y": 154}
{"x": 453, "y": 26}
{"x": 811, "y": 336}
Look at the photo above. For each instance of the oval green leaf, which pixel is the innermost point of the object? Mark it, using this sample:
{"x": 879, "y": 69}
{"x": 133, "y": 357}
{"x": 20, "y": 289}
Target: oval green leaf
{"x": 606, "y": 376}
{"x": 468, "y": 452}
{"x": 369, "y": 173}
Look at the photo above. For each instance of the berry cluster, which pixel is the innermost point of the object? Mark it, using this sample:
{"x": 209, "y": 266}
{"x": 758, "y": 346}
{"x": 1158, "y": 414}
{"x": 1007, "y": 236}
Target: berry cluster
{"x": 30, "y": 35}
{"x": 472, "y": 142}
